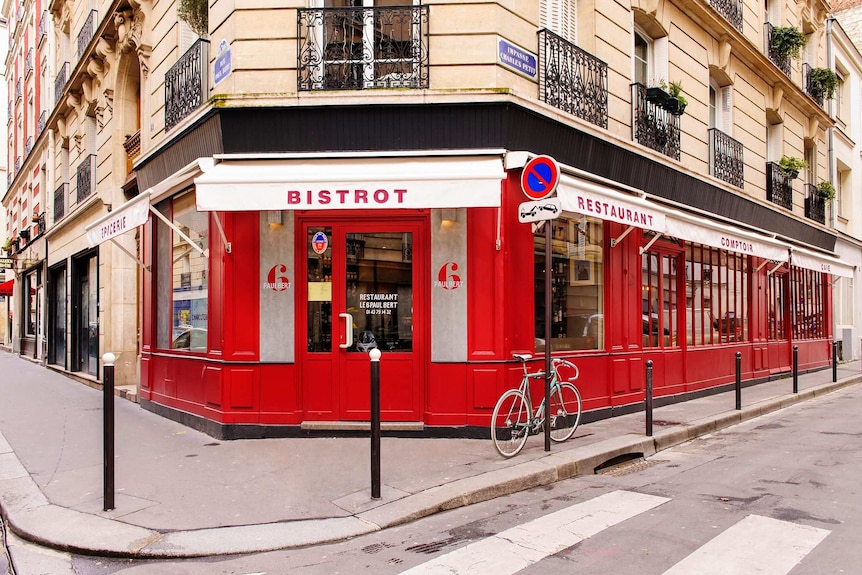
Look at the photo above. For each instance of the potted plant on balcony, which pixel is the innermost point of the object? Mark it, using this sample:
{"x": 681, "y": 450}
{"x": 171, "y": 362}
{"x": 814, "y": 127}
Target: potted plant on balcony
{"x": 822, "y": 83}
{"x": 195, "y": 13}
{"x": 659, "y": 94}
{"x": 24, "y": 235}
{"x": 790, "y": 166}
{"x": 826, "y": 191}
{"x": 677, "y": 103}
{"x": 7, "y": 245}
{"x": 787, "y": 41}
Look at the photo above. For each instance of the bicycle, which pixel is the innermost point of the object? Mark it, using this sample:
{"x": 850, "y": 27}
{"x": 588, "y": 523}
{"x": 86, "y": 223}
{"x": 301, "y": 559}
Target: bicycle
{"x": 514, "y": 420}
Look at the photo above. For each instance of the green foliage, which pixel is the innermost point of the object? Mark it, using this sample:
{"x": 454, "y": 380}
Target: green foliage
{"x": 195, "y": 13}
{"x": 826, "y": 190}
{"x": 675, "y": 90}
{"x": 822, "y": 82}
{"x": 788, "y": 41}
{"x": 8, "y": 244}
{"x": 791, "y": 165}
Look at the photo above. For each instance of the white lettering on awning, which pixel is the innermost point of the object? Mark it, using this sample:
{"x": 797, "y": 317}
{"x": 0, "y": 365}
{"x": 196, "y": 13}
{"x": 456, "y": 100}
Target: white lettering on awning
{"x": 821, "y": 263}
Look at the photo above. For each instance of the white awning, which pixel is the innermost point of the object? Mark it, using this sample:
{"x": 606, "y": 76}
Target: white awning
{"x": 821, "y": 263}
{"x": 583, "y": 197}
{"x": 127, "y": 217}
{"x": 730, "y": 238}
{"x": 343, "y": 183}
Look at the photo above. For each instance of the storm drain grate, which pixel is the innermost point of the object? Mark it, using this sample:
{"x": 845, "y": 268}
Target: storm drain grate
{"x": 376, "y": 547}
{"x": 434, "y": 546}
{"x": 627, "y": 467}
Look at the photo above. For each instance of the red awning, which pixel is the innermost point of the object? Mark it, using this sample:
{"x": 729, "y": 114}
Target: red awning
{"x": 6, "y": 287}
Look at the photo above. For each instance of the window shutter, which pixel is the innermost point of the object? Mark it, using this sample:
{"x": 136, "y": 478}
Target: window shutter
{"x": 726, "y": 124}
{"x": 187, "y": 37}
{"x": 560, "y": 17}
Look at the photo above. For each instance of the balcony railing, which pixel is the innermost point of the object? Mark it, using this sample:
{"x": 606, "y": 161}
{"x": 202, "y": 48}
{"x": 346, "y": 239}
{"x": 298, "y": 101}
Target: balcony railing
{"x": 86, "y": 177}
{"x": 725, "y": 158}
{"x": 17, "y": 165}
{"x": 60, "y": 82}
{"x": 652, "y": 125}
{"x": 43, "y": 27}
{"x": 810, "y": 89}
{"x": 133, "y": 149}
{"x": 572, "y": 80}
{"x": 10, "y": 113}
{"x": 731, "y": 10}
{"x": 88, "y": 30}
{"x": 19, "y": 90}
{"x": 28, "y": 147}
{"x": 779, "y": 186}
{"x": 43, "y": 120}
{"x": 815, "y": 205}
{"x": 60, "y": 201}
{"x": 782, "y": 61}
{"x": 28, "y": 63}
{"x": 186, "y": 83}
{"x": 362, "y": 48}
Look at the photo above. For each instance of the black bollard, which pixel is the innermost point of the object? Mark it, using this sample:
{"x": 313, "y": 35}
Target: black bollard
{"x": 795, "y": 369}
{"x": 648, "y": 398}
{"x": 738, "y": 380}
{"x": 834, "y": 361}
{"x": 374, "y": 354}
{"x": 108, "y": 430}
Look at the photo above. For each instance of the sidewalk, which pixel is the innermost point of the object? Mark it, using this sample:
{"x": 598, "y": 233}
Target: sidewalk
{"x": 181, "y": 493}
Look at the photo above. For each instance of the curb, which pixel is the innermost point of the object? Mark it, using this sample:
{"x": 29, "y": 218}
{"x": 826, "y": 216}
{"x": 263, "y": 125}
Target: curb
{"x": 31, "y": 517}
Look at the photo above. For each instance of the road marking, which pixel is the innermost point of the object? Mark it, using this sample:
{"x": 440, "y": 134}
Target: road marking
{"x": 754, "y": 545}
{"x": 519, "y": 547}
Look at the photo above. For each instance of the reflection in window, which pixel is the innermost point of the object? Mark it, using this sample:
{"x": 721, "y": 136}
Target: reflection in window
{"x": 716, "y": 298}
{"x": 775, "y": 300}
{"x": 31, "y": 284}
{"x": 659, "y": 299}
{"x": 577, "y": 285}
{"x": 807, "y": 304}
{"x": 186, "y": 293}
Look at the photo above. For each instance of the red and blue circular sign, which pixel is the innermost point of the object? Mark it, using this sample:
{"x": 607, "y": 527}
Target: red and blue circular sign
{"x": 540, "y": 177}
{"x": 319, "y": 242}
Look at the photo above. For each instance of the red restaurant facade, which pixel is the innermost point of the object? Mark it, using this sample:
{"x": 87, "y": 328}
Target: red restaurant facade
{"x": 270, "y": 278}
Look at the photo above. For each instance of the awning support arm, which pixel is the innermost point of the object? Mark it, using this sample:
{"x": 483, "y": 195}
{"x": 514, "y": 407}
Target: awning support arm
{"x": 649, "y": 244}
{"x": 227, "y": 244}
{"x": 615, "y": 241}
{"x": 770, "y": 272}
{"x": 762, "y": 264}
{"x": 188, "y": 240}
{"x": 130, "y": 254}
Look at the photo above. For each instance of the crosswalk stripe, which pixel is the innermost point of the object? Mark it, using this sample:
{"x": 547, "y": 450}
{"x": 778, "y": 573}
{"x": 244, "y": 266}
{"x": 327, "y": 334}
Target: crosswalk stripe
{"x": 754, "y": 545}
{"x": 519, "y": 547}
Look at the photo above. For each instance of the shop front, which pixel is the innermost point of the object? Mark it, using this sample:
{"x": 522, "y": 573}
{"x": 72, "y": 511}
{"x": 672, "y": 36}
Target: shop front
{"x": 267, "y": 281}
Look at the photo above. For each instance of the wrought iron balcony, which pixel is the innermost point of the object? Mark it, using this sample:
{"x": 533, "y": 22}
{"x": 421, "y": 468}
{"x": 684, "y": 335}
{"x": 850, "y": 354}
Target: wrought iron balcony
{"x": 725, "y": 158}
{"x": 43, "y": 120}
{"x": 815, "y": 205}
{"x": 731, "y": 10}
{"x": 779, "y": 186}
{"x": 572, "y": 80}
{"x": 28, "y": 63}
{"x": 780, "y": 60}
{"x": 60, "y": 82}
{"x": 186, "y": 83}
{"x": 60, "y": 201}
{"x": 28, "y": 147}
{"x": 813, "y": 89}
{"x": 362, "y": 47}
{"x": 17, "y": 165}
{"x": 652, "y": 125}
{"x": 86, "y": 177}
{"x": 88, "y": 30}
{"x": 11, "y": 112}
{"x": 43, "y": 27}
{"x": 19, "y": 90}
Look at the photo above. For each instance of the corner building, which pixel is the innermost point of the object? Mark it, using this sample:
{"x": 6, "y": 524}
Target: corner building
{"x": 315, "y": 181}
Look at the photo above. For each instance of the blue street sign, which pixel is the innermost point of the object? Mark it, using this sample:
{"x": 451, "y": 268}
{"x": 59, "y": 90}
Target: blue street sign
{"x": 540, "y": 177}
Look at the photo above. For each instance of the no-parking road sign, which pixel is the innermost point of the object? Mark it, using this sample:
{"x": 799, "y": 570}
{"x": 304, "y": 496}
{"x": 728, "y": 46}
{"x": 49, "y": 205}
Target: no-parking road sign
{"x": 540, "y": 177}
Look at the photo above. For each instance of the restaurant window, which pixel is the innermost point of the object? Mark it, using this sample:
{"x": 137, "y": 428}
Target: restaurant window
{"x": 577, "y": 284}
{"x": 659, "y": 298}
{"x": 716, "y": 296}
{"x": 807, "y": 304}
{"x": 181, "y": 282}
{"x": 776, "y": 299}
{"x": 31, "y": 299}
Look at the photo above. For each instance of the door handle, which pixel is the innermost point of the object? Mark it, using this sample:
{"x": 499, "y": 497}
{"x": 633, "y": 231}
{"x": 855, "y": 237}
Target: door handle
{"x": 348, "y": 331}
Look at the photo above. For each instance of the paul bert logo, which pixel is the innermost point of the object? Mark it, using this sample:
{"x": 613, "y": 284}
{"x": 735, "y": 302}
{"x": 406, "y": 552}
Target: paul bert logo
{"x": 447, "y": 278}
{"x": 275, "y": 281}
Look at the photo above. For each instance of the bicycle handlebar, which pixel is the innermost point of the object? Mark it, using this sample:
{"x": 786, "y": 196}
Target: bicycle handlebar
{"x": 556, "y": 362}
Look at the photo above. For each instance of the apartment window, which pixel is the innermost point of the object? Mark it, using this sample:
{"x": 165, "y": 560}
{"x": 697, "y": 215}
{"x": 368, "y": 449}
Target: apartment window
{"x": 840, "y": 112}
{"x": 642, "y": 59}
{"x": 810, "y": 163}
{"x": 182, "y": 285}
{"x": 560, "y": 17}
{"x": 577, "y": 284}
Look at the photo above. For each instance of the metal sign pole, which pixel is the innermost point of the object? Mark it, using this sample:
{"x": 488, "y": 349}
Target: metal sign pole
{"x": 548, "y": 302}
{"x": 108, "y": 430}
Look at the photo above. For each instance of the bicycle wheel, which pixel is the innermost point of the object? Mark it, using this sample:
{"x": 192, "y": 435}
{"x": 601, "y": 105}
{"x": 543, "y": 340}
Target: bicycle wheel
{"x": 510, "y": 423}
{"x": 565, "y": 411}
